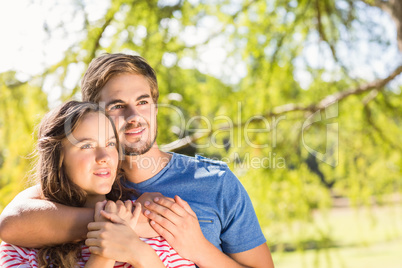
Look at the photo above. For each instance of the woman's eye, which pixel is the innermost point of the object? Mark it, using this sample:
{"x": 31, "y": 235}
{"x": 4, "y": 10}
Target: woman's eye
{"x": 86, "y": 146}
{"x": 112, "y": 144}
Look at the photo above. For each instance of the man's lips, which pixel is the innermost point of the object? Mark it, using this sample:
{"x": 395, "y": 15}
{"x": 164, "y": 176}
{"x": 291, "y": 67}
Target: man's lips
{"x": 134, "y": 131}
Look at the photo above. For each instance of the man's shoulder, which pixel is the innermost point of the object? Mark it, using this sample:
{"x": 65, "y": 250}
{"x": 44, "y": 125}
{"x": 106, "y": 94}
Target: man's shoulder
{"x": 199, "y": 160}
{"x": 202, "y": 167}
{"x": 198, "y": 163}
{"x": 210, "y": 161}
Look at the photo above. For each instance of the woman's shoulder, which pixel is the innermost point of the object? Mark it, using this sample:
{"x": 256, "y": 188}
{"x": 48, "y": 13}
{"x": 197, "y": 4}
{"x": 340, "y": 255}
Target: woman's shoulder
{"x": 11, "y": 255}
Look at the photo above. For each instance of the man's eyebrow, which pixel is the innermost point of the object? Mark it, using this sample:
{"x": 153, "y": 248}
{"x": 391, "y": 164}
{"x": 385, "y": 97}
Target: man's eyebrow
{"x": 144, "y": 96}
{"x": 114, "y": 102}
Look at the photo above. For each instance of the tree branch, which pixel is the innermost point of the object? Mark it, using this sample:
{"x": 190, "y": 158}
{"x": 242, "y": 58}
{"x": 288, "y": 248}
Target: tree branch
{"x": 384, "y": 5}
{"x": 377, "y": 129}
{"x": 96, "y": 43}
{"x": 322, "y": 33}
{"x": 220, "y": 31}
{"x": 394, "y": 9}
{"x": 336, "y": 97}
{"x": 376, "y": 85}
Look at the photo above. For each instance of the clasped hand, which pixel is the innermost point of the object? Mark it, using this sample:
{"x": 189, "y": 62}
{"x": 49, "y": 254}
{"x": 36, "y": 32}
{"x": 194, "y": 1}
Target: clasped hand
{"x": 112, "y": 234}
{"x": 176, "y": 222}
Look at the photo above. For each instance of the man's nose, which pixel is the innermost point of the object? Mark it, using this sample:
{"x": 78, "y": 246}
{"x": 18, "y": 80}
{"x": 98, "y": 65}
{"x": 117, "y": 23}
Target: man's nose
{"x": 132, "y": 115}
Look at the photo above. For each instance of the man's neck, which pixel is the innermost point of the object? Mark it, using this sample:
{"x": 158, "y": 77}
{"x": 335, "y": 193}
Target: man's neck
{"x": 143, "y": 167}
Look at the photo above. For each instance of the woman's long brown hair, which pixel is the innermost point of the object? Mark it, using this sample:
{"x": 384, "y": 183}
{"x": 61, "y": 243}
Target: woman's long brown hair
{"x": 55, "y": 184}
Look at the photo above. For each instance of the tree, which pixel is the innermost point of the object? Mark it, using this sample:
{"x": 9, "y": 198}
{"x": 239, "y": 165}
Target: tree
{"x": 285, "y": 101}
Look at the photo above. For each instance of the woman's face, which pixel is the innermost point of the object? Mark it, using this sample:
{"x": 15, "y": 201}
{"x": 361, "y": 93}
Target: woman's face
{"x": 91, "y": 156}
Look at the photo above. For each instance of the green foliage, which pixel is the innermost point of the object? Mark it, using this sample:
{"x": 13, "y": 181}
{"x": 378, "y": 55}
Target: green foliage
{"x": 267, "y": 41}
{"x": 21, "y": 106}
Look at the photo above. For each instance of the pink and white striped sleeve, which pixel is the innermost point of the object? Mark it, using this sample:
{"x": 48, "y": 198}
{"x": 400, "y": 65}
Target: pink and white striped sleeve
{"x": 13, "y": 256}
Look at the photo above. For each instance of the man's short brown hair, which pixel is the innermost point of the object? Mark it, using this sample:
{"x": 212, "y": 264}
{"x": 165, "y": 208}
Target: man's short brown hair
{"x": 103, "y": 68}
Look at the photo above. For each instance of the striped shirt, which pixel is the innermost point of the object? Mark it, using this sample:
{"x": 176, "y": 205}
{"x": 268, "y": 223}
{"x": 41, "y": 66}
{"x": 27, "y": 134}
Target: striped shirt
{"x": 13, "y": 256}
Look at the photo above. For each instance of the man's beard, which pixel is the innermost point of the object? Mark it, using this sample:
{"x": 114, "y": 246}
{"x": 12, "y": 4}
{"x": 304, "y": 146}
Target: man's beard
{"x": 140, "y": 148}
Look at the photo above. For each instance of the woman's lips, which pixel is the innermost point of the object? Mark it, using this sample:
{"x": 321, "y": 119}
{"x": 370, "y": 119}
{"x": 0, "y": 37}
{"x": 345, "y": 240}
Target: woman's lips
{"x": 104, "y": 173}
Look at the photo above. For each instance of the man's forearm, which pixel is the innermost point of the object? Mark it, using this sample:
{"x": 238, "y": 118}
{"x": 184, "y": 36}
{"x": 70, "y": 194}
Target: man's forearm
{"x": 210, "y": 256}
{"x": 31, "y": 222}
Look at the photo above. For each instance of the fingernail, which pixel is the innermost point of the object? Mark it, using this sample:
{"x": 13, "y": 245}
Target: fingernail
{"x": 147, "y": 203}
{"x": 147, "y": 212}
{"x": 152, "y": 222}
{"x": 156, "y": 199}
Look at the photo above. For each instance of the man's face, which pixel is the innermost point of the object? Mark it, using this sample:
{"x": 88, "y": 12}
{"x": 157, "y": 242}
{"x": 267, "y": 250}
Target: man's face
{"x": 128, "y": 101}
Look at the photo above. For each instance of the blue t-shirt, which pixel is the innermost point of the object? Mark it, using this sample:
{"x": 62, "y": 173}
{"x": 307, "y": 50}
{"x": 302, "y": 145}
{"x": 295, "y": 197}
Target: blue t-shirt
{"x": 223, "y": 207}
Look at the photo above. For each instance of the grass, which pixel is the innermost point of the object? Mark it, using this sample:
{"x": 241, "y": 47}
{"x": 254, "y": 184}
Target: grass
{"x": 378, "y": 255}
{"x": 346, "y": 237}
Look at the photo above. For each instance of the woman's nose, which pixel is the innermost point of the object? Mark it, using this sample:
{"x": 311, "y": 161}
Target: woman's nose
{"x": 102, "y": 155}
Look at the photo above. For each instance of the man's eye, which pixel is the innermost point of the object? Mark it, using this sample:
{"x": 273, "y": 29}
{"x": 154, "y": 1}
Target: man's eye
{"x": 86, "y": 146}
{"x": 115, "y": 107}
{"x": 143, "y": 102}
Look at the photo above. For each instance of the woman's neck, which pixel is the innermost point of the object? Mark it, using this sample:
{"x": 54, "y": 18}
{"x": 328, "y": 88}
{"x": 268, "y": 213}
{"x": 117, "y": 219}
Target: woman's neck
{"x": 93, "y": 199}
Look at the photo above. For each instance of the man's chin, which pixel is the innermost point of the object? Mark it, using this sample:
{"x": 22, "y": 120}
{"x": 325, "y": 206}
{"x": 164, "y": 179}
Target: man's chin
{"x": 138, "y": 147}
{"x": 138, "y": 150}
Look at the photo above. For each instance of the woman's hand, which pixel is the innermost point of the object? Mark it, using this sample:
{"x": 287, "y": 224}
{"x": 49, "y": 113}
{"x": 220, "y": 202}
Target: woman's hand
{"x": 122, "y": 213}
{"x": 115, "y": 239}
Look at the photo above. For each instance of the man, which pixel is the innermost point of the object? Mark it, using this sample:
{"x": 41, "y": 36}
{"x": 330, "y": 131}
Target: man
{"x": 218, "y": 216}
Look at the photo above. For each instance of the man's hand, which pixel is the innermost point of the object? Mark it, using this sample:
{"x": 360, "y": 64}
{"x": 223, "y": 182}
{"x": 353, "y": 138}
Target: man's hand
{"x": 150, "y": 196}
{"x": 178, "y": 224}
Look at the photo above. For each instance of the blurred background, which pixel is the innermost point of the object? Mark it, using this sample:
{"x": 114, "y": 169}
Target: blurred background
{"x": 301, "y": 98}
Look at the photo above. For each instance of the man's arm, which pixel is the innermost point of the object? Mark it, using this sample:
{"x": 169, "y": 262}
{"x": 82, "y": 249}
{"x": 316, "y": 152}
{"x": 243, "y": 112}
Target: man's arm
{"x": 178, "y": 224}
{"x": 257, "y": 257}
{"x": 30, "y": 221}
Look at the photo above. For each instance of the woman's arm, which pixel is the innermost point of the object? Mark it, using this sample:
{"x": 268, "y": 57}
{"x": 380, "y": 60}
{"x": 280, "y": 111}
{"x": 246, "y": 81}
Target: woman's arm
{"x": 96, "y": 261}
{"x": 49, "y": 223}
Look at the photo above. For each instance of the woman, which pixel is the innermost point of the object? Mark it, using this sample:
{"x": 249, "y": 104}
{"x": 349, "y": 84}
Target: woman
{"x": 77, "y": 166}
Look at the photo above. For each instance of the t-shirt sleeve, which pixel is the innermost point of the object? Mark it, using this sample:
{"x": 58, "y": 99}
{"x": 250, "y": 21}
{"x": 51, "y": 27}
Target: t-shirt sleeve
{"x": 13, "y": 256}
{"x": 241, "y": 230}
